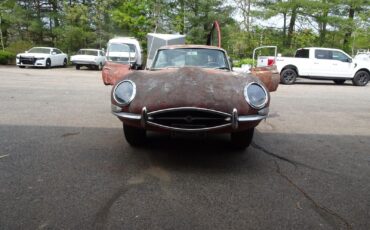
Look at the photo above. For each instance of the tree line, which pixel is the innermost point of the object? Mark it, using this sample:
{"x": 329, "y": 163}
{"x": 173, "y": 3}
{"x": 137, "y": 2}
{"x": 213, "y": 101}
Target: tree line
{"x": 245, "y": 24}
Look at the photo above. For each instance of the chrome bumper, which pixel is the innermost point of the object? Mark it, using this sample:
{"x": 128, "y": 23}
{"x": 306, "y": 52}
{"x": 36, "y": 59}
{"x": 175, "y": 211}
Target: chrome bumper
{"x": 232, "y": 119}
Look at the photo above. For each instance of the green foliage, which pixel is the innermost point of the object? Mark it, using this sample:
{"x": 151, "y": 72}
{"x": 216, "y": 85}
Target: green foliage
{"x": 74, "y": 24}
{"x": 19, "y": 46}
{"x": 6, "y": 57}
{"x": 239, "y": 63}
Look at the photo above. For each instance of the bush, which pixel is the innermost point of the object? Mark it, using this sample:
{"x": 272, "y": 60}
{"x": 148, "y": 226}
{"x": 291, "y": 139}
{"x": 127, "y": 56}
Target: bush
{"x": 19, "y": 46}
{"x": 239, "y": 63}
{"x": 6, "y": 57}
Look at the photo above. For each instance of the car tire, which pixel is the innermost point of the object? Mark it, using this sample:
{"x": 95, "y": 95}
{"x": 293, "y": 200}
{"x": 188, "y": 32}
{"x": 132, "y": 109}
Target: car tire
{"x": 48, "y": 64}
{"x": 78, "y": 67}
{"x": 65, "y": 62}
{"x": 361, "y": 78}
{"x": 288, "y": 76}
{"x": 339, "y": 82}
{"x": 241, "y": 140}
{"x": 21, "y": 66}
{"x": 134, "y": 136}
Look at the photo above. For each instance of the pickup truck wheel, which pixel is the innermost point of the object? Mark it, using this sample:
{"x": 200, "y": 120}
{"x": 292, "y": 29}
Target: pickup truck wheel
{"x": 134, "y": 136}
{"x": 288, "y": 76}
{"x": 361, "y": 78}
{"x": 78, "y": 67}
{"x": 241, "y": 140}
{"x": 339, "y": 82}
{"x": 22, "y": 66}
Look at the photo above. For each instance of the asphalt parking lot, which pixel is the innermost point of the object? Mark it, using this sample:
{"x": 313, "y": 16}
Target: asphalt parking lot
{"x": 64, "y": 163}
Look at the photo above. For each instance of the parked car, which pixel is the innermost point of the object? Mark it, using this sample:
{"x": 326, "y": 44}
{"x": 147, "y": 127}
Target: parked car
{"x": 42, "y": 57}
{"x": 189, "y": 89}
{"x": 91, "y": 58}
{"x": 120, "y": 51}
{"x": 323, "y": 64}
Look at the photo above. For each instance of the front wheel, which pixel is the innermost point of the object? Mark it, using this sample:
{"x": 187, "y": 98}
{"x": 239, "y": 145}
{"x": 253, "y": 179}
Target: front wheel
{"x": 361, "y": 78}
{"x": 241, "y": 140}
{"x": 288, "y": 76}
{"x": 65, "y": 63}
{"x": 22, "y": 66}
{"x": 78, "y": 67}
{"x": 134, "y": 136}
{"x": 48, "y": 64}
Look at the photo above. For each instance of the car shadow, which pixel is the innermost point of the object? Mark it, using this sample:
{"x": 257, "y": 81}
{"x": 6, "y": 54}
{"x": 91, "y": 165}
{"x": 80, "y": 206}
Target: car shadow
{"x": 319, "y": 82}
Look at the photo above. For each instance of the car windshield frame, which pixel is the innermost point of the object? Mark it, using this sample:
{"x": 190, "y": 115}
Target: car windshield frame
{"x": 39, "y": 50}
{"x": 190, "y": 57}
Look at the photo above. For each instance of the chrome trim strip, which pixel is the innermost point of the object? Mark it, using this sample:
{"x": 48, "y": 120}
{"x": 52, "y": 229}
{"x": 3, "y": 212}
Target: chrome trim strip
{"x": 251, "y": 118}
{"x": 144, "y": 117}
{"x": 130, "y": 116}
{"x": 189, "y": 108}
{"x": 188, "y": 130}
{"x": 234, "y": 119}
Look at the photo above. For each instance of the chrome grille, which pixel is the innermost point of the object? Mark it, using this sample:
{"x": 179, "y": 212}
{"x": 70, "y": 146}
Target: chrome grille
{"x": 27, "y": 60}
{"x": 189, "y": 118}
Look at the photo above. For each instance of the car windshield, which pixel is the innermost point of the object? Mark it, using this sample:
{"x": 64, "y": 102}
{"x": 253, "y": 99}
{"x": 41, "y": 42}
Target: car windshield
{"x": 204, "y": 58}
{"x": 39, "y": 50}
{"x": 88, "y": 52}
{"x": 121, "y": 52}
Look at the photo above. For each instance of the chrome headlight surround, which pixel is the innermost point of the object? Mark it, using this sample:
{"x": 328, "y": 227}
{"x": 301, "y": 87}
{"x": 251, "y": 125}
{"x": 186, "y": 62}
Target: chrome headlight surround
{"x": 127, "y": 98}
{"x": 263, "y": 96}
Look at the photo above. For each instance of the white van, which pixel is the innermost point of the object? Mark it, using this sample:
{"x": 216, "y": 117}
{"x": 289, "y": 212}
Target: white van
{"x": 117, "y": 51}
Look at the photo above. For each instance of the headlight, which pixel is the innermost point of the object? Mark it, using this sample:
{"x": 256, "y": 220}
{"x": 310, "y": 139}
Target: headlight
{"x": 124, "y": 92}
{"x": 256, "y": 95}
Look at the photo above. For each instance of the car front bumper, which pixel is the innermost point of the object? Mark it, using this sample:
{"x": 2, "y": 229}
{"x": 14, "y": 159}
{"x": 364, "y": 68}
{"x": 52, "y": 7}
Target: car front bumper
{"x": 31, "y": 62}
{"x": 228, "y": 122}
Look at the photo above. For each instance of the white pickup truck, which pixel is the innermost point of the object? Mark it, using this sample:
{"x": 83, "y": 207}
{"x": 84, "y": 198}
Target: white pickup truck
{"x": 323, "y": 64}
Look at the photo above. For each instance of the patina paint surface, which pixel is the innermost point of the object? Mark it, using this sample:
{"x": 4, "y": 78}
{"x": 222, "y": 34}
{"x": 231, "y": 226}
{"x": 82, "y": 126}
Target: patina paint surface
{"x": 113, "y": 72}
{"x": 190, "y": 87}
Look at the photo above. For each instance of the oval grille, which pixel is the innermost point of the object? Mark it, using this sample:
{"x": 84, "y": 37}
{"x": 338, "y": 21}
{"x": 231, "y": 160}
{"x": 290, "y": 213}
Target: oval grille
{"x": 189, "y": 118}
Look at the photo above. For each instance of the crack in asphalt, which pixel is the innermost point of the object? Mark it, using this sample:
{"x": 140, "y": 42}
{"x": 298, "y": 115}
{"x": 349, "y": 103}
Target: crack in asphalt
{"x": 308, "y": 197}
{"x": 70, "y": 134}
{"x": 292, "y": 162}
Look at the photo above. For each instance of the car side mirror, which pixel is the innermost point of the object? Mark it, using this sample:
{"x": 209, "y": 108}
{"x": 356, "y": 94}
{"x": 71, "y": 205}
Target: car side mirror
{"x": 349, "y": 60}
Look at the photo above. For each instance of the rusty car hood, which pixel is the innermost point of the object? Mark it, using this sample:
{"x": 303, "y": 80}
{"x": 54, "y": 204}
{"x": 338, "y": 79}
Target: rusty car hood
{"x": 190, "y": 87}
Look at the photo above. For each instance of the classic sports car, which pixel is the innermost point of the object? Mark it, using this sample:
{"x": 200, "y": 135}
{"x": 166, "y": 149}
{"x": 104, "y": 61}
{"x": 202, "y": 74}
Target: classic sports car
{"x": 91, "y": 58}
{"x": 42, "y": 57}
{"x": 191, "y": 88}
